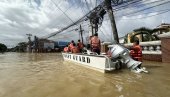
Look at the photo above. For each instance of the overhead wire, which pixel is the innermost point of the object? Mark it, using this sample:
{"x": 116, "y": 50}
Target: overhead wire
{"x": 162, "y": 12}
{"x": 87, "y": 5}
{"x": 145, "y": 9}
{"x": 131, "y": 13}
{"x": 48, "y": 15}
{"x": 62, "y": 11}
{"x": 134, "y": 12}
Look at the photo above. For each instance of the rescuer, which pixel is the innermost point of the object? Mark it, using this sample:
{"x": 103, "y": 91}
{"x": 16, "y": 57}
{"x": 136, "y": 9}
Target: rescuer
{"x": 80, "y": 45}
{"x": 71, "y": 45}
{"x": 75, "y": 49}
{"x": 95, "y": 44}
{"x": 136, "y": 51}
{"x": 66, "y": 49}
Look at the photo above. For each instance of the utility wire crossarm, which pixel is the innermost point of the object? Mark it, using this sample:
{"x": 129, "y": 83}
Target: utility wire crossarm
{"x": 78, "y": 21}
{"x": 86, "y": 16}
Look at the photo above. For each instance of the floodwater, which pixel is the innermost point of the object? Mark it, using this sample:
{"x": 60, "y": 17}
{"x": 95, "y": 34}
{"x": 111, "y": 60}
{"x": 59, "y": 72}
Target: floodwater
{"x": 47, "y": 75}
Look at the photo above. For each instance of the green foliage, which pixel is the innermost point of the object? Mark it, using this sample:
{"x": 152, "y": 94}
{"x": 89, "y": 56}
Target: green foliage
{"x": 143, "y": 29}
{"x": 146, "y": 33}
{"x": 21, "y": 47}
{"x": 133, "y": 39}
{"x": 126, "y": 39}
{"x": 3, "y": 47}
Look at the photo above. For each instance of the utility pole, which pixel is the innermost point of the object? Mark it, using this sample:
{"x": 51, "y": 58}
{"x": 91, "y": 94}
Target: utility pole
{"x": 29, "y": 41}
{"x": 112, "y": 20}
{"x": 81, "y": 33}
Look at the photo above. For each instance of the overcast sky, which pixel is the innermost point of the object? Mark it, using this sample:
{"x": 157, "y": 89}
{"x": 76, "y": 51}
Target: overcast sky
{"x": 42, "y": 17}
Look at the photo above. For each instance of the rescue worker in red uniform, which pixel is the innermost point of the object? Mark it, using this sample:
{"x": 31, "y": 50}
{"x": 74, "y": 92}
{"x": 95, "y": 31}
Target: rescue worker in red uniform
{"x": 71, "y": 45}
{"x": 75, "y": 49}
{"x": 95, "y": 44}
{"x": 80, "y": 45}
{"x": 66, "y": 49}
{"x": 136, "y": 51}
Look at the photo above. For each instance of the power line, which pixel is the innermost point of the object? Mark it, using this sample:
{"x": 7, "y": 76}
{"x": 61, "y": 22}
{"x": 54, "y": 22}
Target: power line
{"x": 103, "y": 34}
{"x": 87, "y": 5}
{"x": 149, "y": 16}
{"x": 78, "y": 21}
{"x": 62, "y": 11}
{"x": 146, "y": 8}
{"x": 126, "y": 4}
{"x": 65, "y": 28}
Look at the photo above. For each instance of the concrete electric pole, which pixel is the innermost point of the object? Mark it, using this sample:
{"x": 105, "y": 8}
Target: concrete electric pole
{"x": 81, "y": 33}
{"x": 112, "y": 20}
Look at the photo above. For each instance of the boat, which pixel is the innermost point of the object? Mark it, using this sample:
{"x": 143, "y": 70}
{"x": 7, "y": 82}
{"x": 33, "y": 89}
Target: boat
{"x": 100, "y": 63}
{"x": 119, "y": 54}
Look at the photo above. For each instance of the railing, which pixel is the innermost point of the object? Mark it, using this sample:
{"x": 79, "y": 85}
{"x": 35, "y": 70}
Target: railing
{"x": 151, "y": 47}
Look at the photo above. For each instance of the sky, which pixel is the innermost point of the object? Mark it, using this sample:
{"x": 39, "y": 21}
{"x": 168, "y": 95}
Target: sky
{"x": 43, "y": 17}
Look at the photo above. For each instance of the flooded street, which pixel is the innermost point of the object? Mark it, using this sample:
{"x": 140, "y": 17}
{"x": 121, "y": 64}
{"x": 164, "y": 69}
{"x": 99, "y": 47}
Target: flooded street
{"x": 47, "y": 75}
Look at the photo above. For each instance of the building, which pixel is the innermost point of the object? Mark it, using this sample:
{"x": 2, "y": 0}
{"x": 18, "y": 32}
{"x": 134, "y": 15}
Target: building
{"x": 161, "y": 29}
{"x": 146, "y": 34}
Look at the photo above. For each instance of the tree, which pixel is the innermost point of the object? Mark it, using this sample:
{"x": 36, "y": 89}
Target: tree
{"x": 147, "y": 34}
{"x": 22, "y": 46}
{"x": 142, "y": 31}
{"x": 3, "y": 47}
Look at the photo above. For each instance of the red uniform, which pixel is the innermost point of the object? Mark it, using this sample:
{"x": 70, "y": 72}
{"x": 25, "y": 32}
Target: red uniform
{"x": 70, "y": 46}
{"x": 66, "y": 49}
{"x": 75, "y": 50}
{"x": 136, "y": 52}
{"x": 95, "y": 44}
{"x": 80, "y": 45}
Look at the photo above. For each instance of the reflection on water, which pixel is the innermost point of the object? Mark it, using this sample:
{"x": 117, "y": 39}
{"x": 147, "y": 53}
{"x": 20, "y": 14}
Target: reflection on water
{"x": 47, "y": 75}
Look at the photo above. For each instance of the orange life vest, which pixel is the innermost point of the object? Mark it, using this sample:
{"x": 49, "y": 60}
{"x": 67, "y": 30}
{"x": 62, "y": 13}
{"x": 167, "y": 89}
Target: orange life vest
{"x": 75, "y": 50}
{"x": 70, "y": 46}
{"x": 95, "y": 42}
{"x": 66, "y": 49}
{"x": 80, "y": 45}
{"x": 136, "y": 53}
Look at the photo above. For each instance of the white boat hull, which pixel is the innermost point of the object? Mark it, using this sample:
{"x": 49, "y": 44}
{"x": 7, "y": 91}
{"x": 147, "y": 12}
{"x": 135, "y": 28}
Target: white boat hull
{"x": 97, "y": 62}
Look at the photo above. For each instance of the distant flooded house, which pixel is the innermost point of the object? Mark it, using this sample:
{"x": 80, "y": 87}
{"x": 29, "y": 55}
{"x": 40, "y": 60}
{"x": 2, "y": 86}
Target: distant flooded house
{"x": 42, "y": 45}
{"x": 45, "y": 45}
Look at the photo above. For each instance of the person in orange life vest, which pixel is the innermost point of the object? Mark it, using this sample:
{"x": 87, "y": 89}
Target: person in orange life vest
{"x": 71, "y": 45}
{"x": 80, "y": 45}
{"x": 95, "y": 44}
{"x": 74, "y": 49}
{"x": 66, "y": 49}
{"x": 136, "y": 51}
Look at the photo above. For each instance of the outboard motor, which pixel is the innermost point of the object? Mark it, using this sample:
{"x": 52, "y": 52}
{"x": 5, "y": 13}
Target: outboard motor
{"x": 119, "y": 52}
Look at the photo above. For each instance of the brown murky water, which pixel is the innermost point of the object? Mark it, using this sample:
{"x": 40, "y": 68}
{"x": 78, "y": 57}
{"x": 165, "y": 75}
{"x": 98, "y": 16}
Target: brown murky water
{"x": 47, "y": 75}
